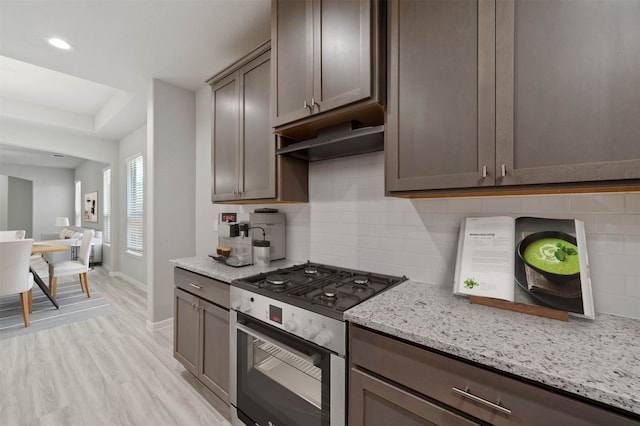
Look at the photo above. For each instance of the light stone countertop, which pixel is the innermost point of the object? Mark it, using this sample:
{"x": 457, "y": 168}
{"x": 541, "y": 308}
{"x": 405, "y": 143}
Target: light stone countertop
{"x": 205, "y": 265}
{"x": 597, "y": 359}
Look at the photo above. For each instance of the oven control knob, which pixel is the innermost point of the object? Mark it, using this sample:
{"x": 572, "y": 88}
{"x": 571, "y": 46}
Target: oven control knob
{"x": 323, "y": 338}
{"x": 291, "y": 325}
{"x": 310, "y": 331}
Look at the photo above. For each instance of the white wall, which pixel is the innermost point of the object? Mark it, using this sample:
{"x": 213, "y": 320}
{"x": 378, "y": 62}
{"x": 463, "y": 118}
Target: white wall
{"x": 20, "y": 205}
{"x": 53, "y": 194}
{"x": 4, "y": 201}
{"x": 170, "y": 192}
{"x": 132, "y": 267}
{"x": 205, "y": 211}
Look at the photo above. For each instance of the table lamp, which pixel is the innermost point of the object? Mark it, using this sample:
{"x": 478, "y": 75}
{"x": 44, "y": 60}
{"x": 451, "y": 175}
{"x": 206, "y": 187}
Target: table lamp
{"x": 61, "y": 222}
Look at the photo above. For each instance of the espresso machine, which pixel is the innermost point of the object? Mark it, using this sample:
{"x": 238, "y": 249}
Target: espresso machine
{"x": 237, "y": 231}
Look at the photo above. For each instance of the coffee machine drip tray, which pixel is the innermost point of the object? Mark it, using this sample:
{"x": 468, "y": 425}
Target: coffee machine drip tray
{"x": 230, "y": 261}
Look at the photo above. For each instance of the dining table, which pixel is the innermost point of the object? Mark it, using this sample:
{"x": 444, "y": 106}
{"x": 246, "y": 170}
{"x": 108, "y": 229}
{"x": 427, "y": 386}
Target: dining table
{"x": 40, "y": 247}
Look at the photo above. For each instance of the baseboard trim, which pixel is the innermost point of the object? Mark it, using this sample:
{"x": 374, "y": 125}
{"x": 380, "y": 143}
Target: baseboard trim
{"x": 154, "y": 326}
{"x": 128, "y": 279}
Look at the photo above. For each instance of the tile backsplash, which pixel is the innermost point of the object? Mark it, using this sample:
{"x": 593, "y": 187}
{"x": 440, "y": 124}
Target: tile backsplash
{"x": 349, "y": 222}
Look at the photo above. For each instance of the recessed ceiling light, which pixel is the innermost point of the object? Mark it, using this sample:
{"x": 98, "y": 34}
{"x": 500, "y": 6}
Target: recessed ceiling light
{"x": 59, "y": 43}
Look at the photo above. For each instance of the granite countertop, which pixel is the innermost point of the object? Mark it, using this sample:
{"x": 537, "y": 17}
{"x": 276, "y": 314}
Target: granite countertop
{"x": 205, "y": 265}
{"x": 597, "y": 359}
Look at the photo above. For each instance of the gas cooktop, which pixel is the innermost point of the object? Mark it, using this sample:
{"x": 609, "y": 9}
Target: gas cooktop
{"x": 320, "y": 288}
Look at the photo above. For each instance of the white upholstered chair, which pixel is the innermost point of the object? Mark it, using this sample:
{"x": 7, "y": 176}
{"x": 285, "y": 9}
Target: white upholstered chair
{"x": 12, "y": 235}
{"x": 72, "y": 267}
{"x": 15, "y": 277}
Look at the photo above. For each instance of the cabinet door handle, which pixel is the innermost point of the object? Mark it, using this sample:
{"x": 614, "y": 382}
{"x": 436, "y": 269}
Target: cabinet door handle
{"x": 314, "y": 104}
{"x": 484, "y": 171}
{"x": 305, "y": 105}
{"x": 482, "y": 401}
{"x": 194, "y": 306}
{"x": 503, "y": 172}
{"x": 199, "y": 287}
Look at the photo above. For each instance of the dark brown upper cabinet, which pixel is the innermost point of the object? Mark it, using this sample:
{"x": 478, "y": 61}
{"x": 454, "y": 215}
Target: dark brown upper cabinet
{"x": 567, "y": 91}
{"x": 511, "y": 95}
{"x": 243, "y": 161}
{"x": 440, "y": 131}
{"x": 327, "y": 54}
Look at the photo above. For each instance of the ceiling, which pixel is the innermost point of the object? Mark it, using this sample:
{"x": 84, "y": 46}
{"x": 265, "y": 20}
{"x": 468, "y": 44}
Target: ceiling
{"x": 99, "y": 88}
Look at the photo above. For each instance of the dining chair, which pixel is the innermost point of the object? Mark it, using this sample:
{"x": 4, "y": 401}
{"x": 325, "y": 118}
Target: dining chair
{"x": 12, "y": 235}
{"x": 15, "y": 277}
{"x": 72, "y": 267}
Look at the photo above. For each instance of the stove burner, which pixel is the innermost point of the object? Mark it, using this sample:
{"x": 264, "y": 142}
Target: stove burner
{"x": 276, "y": 280}
{"x": 361, "y": 280}
{"x": 329, "y": 293}
{"x": 311, "y": 270}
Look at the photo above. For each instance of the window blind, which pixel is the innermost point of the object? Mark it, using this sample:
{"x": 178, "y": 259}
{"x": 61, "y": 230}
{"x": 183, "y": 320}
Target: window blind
{"x": 135, "y": 198}
{"x": 106, "y": 206}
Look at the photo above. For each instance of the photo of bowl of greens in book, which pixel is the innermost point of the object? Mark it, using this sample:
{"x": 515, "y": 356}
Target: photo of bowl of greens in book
{"x": 552, "y": 254}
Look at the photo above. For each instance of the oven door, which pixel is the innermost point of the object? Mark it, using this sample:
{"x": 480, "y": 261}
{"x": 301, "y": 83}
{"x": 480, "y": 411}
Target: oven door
{"x": 281, "y": 379}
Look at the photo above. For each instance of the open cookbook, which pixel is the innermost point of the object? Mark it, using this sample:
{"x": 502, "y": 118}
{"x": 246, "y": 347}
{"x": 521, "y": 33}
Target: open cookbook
{"x": 526, "y": 260}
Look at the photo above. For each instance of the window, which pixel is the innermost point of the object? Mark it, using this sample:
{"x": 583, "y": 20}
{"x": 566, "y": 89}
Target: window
{"x": 135, "y": 198}
{"x": 106, "y": 206}
{"x": 77, "y": 220}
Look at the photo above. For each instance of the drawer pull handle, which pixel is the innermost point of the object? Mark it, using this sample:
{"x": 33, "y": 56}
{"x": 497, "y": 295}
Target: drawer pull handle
{"x": 482, "y": 401}
{"x": 199, "y": 287}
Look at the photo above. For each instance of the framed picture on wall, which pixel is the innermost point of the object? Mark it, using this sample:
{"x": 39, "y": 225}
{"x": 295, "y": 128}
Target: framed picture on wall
{"x": 91, "y": 207}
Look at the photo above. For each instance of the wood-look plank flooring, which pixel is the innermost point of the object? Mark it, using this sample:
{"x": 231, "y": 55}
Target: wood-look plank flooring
{"x": 108, "y": 370}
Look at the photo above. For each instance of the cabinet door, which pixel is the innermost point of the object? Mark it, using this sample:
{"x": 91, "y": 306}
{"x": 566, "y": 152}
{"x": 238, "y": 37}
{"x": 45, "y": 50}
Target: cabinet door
{"x": 374, "y": 402}
{"x": 258, "y": 148}
{"x": 568, "y": 90}
{"x": 224, "y": 146}
{"x": 214, "y": 356}
{"x": 292, "y": 59}
{"x": 185, "y": 330}
{"x": 342, "y": 52}
{"x": 441, "y": 107}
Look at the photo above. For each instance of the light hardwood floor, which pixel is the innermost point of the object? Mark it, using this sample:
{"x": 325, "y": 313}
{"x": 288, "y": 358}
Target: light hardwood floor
{"x": 109, "y": 370}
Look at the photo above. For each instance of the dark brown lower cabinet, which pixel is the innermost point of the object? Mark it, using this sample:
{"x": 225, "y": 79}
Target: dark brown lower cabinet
{"x": 201, "y": 331}
{"x": 395, "y": 382}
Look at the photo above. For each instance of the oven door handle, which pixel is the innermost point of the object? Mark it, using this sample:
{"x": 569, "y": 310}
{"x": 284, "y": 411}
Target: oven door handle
{"x": 309, "y": 359}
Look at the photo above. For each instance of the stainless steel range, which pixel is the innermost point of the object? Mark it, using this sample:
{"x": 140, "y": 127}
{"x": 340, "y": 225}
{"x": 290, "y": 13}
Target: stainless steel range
{"x": 289, "y": 343}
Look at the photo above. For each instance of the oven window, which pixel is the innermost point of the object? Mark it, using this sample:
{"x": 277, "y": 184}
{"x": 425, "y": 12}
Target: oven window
{"x": 282, "y": 380}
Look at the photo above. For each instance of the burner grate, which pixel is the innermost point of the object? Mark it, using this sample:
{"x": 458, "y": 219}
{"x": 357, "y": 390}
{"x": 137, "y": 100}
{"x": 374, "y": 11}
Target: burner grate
{"x": 333, "y": 288}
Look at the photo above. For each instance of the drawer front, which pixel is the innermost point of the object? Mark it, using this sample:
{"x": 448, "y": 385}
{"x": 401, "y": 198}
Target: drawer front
{"x": 483, "y": 394}
{"x": 207, "y": 288}
{"x": 374, "y": 402}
